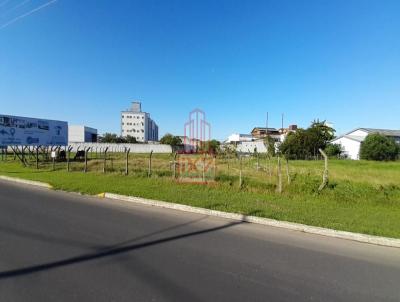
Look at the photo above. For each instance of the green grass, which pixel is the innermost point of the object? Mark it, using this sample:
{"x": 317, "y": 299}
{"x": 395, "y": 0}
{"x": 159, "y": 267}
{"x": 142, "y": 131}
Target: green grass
{"x": 361, "y": 197}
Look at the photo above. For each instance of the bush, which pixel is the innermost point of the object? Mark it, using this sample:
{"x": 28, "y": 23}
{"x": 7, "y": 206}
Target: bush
{"x": 379, "y": 147}
{"x": 115, "y": 139}
{"x": 333, "y": 150}
{"x": 169, "y": 139}
{"x": 304, "y": 143}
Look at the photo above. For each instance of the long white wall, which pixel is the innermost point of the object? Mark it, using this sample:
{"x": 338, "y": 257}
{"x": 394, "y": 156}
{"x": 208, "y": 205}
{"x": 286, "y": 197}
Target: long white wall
{"x": 135, "y": 148}
{"x": 248, "y": 147}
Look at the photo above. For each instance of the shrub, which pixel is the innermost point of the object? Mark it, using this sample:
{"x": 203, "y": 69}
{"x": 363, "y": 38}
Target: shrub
{"x": 333, "y": 150}
{"x": 169, "y": 139}
{"x": 379, "y": 147}
{"x": 304, "y": 143}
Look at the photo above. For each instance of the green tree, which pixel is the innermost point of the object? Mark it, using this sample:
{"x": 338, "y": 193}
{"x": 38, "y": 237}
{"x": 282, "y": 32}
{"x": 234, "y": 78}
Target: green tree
{"x": 269, "y": 143}
{"x": 318, "y": 136}
{"x": 169, "y": 139}
{"x": 213, "y": 146}
{"x": 229, "y": 150}
{"x": 131, "y": 140}
{"x": 379, "y": 147}
{"x": 109, "y": 138}
{"x": 113, "y": 138}
{"x": 305, "y": 143}
{"x": 333, "y": 150}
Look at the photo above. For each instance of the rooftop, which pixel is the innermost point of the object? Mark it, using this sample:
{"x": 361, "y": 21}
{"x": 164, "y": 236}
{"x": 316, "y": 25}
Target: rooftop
{"x": 386, "y": 132}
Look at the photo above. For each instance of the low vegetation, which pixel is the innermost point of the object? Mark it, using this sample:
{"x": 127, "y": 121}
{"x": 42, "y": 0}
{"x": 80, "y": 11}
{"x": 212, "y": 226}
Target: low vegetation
{"x": 362, "y": 196}
{"x": 379, "y": 147}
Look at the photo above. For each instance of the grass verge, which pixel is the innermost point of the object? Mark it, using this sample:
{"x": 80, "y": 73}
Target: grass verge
{"x": 347, "y": 205}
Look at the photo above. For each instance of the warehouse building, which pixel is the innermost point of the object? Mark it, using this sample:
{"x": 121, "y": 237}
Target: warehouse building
{"x": 351, "y": 141}
{"x": 138, "y": 124}
{"x": 81, "y": 134}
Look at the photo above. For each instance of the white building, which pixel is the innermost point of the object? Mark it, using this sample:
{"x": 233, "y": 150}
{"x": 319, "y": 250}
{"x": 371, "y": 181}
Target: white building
{"x": 138, "y": 124}
{"x": 81, "y": 134}
{"x": 237, "y": 138}
{"x": 351, "y": 142}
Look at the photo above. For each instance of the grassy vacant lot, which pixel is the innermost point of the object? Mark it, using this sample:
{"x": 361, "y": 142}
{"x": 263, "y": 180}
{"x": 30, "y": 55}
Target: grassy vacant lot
{"x": 361, "y": 197}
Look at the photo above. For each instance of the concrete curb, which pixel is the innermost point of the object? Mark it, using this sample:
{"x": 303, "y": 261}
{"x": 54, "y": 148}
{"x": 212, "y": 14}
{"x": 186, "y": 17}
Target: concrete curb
{"x": 27, "y": 182}
{"x": 383, "y": 241}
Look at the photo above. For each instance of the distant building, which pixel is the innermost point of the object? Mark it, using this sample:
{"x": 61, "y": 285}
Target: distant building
{"x": 81, "y": 134}
{"x": 138, "y": 124}
{"x": 247, "y": 143}
{"x": 261, "y": 132}
{"x": 237, "y": 138}
{"x": 351, "y": 141}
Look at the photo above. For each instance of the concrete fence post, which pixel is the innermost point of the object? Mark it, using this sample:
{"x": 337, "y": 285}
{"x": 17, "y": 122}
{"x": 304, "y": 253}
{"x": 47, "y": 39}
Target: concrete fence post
{"x": 325, "y": 178}
{"x": 174, "y": 163}
{"x": 279, "y": 189}
{"x": 240, "y": 172}
{"x": 149, "y": 172}
{"x": 127, "y": 150}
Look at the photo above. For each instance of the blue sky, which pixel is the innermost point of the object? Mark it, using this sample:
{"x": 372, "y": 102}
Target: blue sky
{"x": 85, "y": 61}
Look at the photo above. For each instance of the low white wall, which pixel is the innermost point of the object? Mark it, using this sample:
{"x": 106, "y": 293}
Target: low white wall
{"x": 248, "y": 147}
{"x": 135, "y": 148}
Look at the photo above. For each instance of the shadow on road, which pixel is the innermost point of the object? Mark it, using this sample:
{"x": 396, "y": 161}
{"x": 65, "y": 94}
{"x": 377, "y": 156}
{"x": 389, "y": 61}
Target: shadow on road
{"x": 112, "y": 251}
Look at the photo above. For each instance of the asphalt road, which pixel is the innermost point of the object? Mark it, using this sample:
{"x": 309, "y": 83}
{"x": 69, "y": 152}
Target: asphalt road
{"x": 57, "y": 246}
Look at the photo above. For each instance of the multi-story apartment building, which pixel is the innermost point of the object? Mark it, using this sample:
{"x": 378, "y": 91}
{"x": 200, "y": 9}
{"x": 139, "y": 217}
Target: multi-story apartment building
{"x": 138, "y": 124}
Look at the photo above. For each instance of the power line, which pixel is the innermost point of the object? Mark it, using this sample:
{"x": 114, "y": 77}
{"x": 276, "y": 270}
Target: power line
{"x": 28, "y": 13}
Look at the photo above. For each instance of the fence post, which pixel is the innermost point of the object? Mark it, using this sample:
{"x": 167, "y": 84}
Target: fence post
{"x": 86, "y": 152}
{"x": 279, "y": 189}
{"x": 104, "y": 160}
{"x": 258, "y": 161}
{"x": 37, "y": 157}
{"x": 325, "y": 179}
{"x": 204, "y": 168}
{"x": 127, "y": 150}
{"x": 68, "y": 157}
{"x": 240, "y": 172}
{"x": 149, "y": 172}
{"x": 228, "y": 157}
{"x": 174, "y": 162}
{"x": 54, "y": 158}
{"x": 23, "y": 154}
{"x": 287, "y": 171}
{"x": 215, "y": 166}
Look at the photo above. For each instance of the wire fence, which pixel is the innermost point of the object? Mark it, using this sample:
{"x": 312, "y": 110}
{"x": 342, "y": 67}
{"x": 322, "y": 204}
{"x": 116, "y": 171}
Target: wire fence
{"x": 242, "y": 170}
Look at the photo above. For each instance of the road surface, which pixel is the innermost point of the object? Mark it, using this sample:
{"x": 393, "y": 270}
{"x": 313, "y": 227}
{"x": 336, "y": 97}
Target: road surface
{"x": 57, "y": 246}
